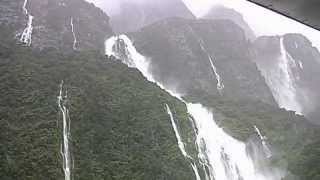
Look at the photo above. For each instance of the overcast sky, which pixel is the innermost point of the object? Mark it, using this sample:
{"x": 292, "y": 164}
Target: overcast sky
{"x": 262, "y": 21}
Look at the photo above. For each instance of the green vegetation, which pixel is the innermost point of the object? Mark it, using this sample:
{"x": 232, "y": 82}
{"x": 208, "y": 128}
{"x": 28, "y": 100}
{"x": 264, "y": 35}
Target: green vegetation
{"x": 119, "y": 125}
{"x": 295, "y": 141}
{"x": 120, "y": 128}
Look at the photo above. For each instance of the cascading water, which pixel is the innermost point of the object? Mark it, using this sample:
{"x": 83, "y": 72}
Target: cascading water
{"x": 227, "y": 157}
{"x": 180, "y": 143}
{"x": 281, "y": 80}
{"x": 263, "y": 139}
{"x": 175, "y": 128}
{"x": 26, "y": 36}
{"x": 75, "y": 41}
{"x": 220, "y": 85}
{"x": 223, "y": 156}
{"x": 129, "y": 56}
{"x": 65, "y": 150}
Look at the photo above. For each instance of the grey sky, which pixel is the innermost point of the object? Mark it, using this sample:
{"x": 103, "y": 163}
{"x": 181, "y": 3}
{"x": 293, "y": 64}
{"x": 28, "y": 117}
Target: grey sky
{"x": 262, "y": 21}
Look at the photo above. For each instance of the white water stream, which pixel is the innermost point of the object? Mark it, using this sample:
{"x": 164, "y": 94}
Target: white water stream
{"x": 281, "y": 80}
{"x": 225, "y": 157}
{"x": 65, "y": 150}
{"x": 75, "y": 41}
{"x": 181, "y": 144}
{"x": 263, "y": 139}
{"x": 220, "y": 85}
{"x": 26, "y": 36}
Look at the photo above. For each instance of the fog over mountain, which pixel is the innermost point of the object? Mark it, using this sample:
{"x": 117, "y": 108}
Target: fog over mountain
{"x": 128, "y": 15}
{"x": 156, "y": 90}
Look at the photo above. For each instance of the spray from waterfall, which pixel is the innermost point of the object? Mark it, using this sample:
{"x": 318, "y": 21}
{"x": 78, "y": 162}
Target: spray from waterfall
{"x": 65, "y": 150}
{"x": 223, "y": 157}
{"x": 75, "y": 41}
{"x": 281, "y": 80}
{"x": 122, "y": 48}
{"x": 26, "y": 36}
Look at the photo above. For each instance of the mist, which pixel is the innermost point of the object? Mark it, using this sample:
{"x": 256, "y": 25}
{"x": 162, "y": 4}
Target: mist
{"x": 261, "y": 20}
{"x": 112, "y": 7}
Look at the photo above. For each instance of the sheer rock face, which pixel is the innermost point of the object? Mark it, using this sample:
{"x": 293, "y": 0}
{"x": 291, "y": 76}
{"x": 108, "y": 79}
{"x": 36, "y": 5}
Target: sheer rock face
{"x": 133, "y": 15}
{"x": 177, "y": 58}
{"x": 221, "y": 12}
{"x": 52, "y": 23}
{"x": 304, "y": 67}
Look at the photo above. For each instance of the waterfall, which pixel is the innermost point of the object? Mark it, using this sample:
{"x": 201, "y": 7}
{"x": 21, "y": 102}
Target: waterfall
{"x": 181, "y": 144}
{"x": 220, "y": 85}
{"x": 227, "y": 157}
{"x": 175, "y": 128}
{"x": 73, "y": 34}
{"x": 301, "y": 65}
{"x": 281, "y": 80}
{"x": 26, "y": 36}
{"x": 223, "y": 156}
{"x": 65, "y": 150}
{"x": 263, "y": 139}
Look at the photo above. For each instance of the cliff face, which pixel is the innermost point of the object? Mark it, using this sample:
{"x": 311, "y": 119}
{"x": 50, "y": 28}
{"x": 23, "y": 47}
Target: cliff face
{"x": 59, "y": 24}
{"x": 291, "y": 62}
{"x": 210, "y": 56}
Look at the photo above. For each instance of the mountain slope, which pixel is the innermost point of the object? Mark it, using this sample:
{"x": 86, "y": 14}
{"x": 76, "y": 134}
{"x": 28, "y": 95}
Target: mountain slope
{"x": 135, "y": 15}
{"x": 209, "y": 56}
{"x": 221, "y": 12}
{"x": 180, "y": 51}
{"x": 61, "y": 24}
{"x": 291, "y": 65}
{"x": 119, "y": 126}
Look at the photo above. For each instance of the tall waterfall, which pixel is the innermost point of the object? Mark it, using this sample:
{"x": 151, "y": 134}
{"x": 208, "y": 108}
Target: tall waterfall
{"x": 225, "y": 157}
{"x": 26, "y": 36}
{"x": 263, "y": 139}
{"x": 281, "y": 80}
{"x": 75, "y": 41}
{"x": 220, "y": 85}
{"x": 181, "y": 144}
{"x": 65, "y": 150}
